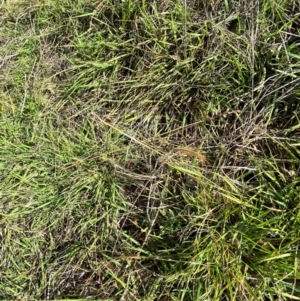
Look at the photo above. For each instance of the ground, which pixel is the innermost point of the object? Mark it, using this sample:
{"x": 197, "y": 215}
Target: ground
{"x": 149, "y": 150}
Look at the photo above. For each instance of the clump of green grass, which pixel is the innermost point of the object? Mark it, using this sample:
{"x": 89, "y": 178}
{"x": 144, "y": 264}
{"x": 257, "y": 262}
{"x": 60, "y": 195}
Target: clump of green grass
{"x": 149, "y": 150}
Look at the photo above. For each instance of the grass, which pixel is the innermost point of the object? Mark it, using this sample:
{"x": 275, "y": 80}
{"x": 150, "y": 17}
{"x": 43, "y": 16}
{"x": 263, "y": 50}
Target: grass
{"x": 149, "y": 150}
